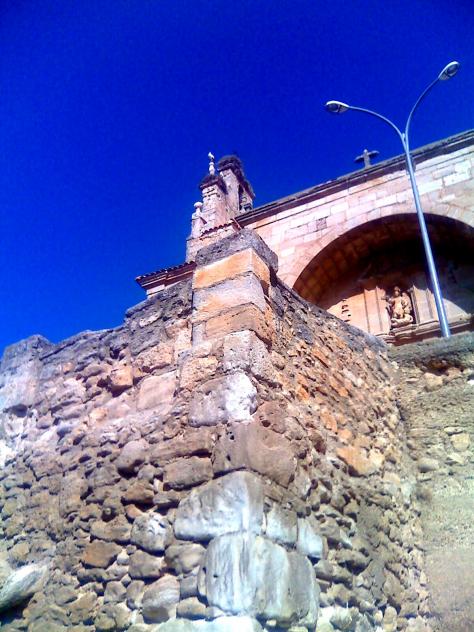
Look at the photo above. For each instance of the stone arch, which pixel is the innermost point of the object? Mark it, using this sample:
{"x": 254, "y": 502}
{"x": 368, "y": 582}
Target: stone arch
{"x": 303, "y": 257}
{"x": 354, "y": 269}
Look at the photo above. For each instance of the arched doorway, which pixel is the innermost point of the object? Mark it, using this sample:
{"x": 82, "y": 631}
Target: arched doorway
{"x": 355, "y": 274}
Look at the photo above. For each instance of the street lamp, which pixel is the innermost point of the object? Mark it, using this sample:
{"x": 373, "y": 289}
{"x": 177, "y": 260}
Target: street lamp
{"x": 338, "y": 107}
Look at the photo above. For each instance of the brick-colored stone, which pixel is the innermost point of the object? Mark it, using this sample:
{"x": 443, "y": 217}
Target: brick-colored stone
{"x": 242, "y": 318}
{"x": 230, "y": 267}
{"x": 100, "y": 554}
{"x": 361, "y": 462}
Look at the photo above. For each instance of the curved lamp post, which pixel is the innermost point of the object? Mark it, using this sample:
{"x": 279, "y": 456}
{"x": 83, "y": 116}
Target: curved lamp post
{"x": 337, "y": 107}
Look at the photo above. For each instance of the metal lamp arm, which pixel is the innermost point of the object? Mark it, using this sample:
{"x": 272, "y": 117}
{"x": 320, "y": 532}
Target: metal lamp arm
{"x": 424, "y": 232}
{"x": 415, "y": 107}
{"x": 337, "y": 107}
{"x": 381, "y": 117}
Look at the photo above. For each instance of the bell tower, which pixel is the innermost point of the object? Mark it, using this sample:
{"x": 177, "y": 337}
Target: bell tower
{"x": 226, "y": 193}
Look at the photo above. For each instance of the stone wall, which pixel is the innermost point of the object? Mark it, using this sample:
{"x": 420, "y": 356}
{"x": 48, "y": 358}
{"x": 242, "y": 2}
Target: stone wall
{"x": 77, "y": 471}
{"x": 340, "y": 390}
{"x": 437, "y": 402}
{"x": 230, "y": 459}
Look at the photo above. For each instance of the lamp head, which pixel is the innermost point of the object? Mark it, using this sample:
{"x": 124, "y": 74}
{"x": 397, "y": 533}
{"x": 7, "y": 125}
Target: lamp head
{"x": 336, "y": 107}
{"x": 449, "y": 71}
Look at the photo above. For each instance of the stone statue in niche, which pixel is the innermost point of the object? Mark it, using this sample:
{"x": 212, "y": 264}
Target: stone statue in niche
{"x": 399, "y": 308}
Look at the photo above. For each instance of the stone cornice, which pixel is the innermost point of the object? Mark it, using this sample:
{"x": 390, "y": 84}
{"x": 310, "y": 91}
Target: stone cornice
{"x": 166, "y": 276}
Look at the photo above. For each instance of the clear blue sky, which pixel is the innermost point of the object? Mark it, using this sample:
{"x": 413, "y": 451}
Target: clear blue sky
{"x": 109, "y": 107}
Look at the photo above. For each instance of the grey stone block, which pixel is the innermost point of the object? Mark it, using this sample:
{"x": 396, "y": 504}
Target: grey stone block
{"x": 231, "y": 503}
{"x": 246, "y": 573}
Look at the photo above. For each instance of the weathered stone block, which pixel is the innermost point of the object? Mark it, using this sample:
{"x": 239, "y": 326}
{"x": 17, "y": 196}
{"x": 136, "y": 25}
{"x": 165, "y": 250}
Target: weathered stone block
{"x": 226, "y": 295}
{"x": 135, "y": 591}
{"x": 257, "y": 448}
{"x": 222, "y": 624}
{"x": 361, "y": 462}
{"x": 73, "y": 489}
{"x": 390, "y": 619}
{"x": 242, "y": 240}
{"x": 115, "y": 592}
{"x": 191, "y": 608}
{"x": 156, "y": 357}
{"x": 281, "y": 525}
{"x": 309, "y": 541}
{"x": 20, "y": 585}
{"x": 245, "y": 351}
{"x": 194, "y": 370}
{"x": 7, "y": 454}
{"x": 427, "y": 464}
{"x": 139, "y": 492}
{"x": 19, "y": 552}
{"x": 18, "y": 391}
{"x": 229, "y": 398}
{"x": 132, "y": 456}
{"x": 231, "y": 267}
{"x": 113, "y": 616}
{"x": 187, "y": 472}
{"x": 237, "y": 570}
{"x": 273, "y": 414}
{"x": 461, "y": 441}
{"x": 243, "y": 317}
{"x": 120, "y": 379}
{"x": 160, "y": 599}
{"x": 195, "y": 441}
{"x": 433, "y": 381}
{"x": 184, "y": 558}
{"x": 145, "y": 566}
{"x": 231, "y": 503}
{"x": 149, "y": 532}
{"x": 100, "y": 554}
{"x": 82, "y": 608}
{"x": 157, "y": 391}
{"x": 116, "y": 530}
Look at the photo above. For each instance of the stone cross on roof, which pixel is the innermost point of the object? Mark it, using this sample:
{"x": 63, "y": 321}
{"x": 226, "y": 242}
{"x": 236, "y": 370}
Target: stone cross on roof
{"x": 366, "y": 156}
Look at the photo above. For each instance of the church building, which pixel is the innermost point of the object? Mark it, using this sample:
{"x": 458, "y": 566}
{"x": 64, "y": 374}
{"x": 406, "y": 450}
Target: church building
{"x": 352, "y": 245}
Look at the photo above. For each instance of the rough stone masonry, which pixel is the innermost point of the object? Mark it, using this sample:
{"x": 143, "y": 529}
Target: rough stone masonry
{"x": 230, "y": 459}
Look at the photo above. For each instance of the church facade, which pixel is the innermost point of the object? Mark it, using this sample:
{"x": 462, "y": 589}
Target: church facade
{"x": 352, "y": 245}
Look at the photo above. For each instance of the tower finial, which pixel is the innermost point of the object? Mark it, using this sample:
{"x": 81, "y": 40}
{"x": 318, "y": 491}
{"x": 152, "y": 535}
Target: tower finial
{"x": 212, "y": 166}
